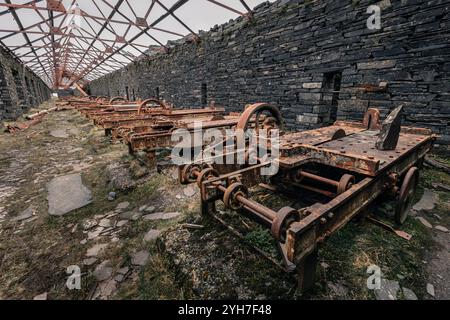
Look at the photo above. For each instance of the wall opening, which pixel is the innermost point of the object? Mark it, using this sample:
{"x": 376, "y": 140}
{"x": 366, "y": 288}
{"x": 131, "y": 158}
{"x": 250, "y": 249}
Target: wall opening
{"x": 204, "y": 94}
{"x": 30, "y": 91}
{"x": 127, "y": 92}
{"x": 19, "y": 88}
{"x": 134, "y": 95}
{"x": 331, "y": 88}
{"x": 157, "y": 93}
{"x": 37, "y": 97}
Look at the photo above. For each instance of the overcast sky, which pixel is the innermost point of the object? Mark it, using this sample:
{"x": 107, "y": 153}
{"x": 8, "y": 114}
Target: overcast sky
{"x": 196, "y": 14}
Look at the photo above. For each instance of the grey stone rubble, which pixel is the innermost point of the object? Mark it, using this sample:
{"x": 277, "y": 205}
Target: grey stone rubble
{"x": 150, "y": 209}
{"x": 96, "y": 250}
{"x": 105, "y": 223}
{"x": 151, "y": 235}
{"x": 103, "y": 271}
{"x": 119, "y": 177}
{"x": 94, "y": 234}
{"x": 425, "y": 222}
{"x": 121, "y": 223}
{"x": 67, "y": 193}
{"x": 140, "y": 258}
{"x": 430, "y": 289}
{"x": 338, "y": 289}
{"x": 112, "y": 196}
{"x": 89, "y": 261}
{"x": 427, "y": 202}
{"x": 26, "y": 214}
{"x": 132, "y": 215}
{"x": 122, "y": 274}
{"x": 89, "y": 224}
{"x": 441, "y": 228}
{"x": 105, "y": 289}
{"x": 388, "y": 290}
{"x": 408, "y": 294}
{"x": 42, "y": 296}
{"x": 123, "y": 271}
{"x": 162, "y": 216}
{"x": 59, "y": 133}
{"x": 122, "y": 206}
{"x": 189, "y": 191}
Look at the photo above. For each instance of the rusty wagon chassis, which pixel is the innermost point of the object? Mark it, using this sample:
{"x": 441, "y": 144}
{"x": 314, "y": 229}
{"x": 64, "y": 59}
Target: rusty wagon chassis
{"x": 148, "y": 125}
{"x": 349, "y": 164}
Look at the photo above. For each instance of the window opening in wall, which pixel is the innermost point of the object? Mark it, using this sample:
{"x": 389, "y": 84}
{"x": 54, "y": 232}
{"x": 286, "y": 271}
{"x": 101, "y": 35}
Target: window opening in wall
{"x": 134, "y": 95}
{"x": 127, "y": 93}
{"x": 157, "y": 93}
{"x": 204, "y": 94}
{"x": 19, "y": 87}
{"x": 30, "y": 91}
{"x": 35, "y": 92}
{"x": 331, "y": 88}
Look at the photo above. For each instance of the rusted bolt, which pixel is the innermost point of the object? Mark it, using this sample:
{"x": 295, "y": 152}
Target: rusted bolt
{"x": 323, "y": 221}
{"x": 331, "y": 215}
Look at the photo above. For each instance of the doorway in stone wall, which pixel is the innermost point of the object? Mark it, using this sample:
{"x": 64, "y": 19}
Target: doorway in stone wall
{"x": 331, "y": 87}
{"x": 30, "y": 92}
{"x": 127, "y": 91}
{"x": 19, "y": 89}
{"x": 204, "y": 94}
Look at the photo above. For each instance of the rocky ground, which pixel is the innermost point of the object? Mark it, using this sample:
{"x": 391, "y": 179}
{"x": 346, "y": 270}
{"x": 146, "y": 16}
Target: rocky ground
{"x": 73, "y": 204}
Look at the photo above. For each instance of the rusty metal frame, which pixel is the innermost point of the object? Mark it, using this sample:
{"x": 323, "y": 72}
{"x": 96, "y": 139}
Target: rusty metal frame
{"x": 364, "y": 176}
{"x": 71, "y": 57}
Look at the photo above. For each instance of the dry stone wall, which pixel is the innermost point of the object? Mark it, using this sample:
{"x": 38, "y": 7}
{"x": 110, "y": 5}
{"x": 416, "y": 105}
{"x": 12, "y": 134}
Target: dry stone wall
{"x": 316, "y": 60}
{"x": 20, "y": 89}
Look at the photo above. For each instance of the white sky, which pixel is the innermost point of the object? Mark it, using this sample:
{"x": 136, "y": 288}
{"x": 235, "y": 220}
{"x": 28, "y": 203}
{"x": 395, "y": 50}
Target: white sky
{"x": 197, "y": 14}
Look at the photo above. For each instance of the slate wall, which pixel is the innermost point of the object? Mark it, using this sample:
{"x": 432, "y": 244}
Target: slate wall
{"x": 20, "y": 89}
{"x": 313, "y": 59}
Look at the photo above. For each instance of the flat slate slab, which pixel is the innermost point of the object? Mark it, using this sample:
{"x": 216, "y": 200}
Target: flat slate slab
{"x": 427, "y": 202}
{"x": 59, "y": 133}
{"x": 27, "y": 213}
{"x": 388, "y": 290}
{"x": 162, "y": 216}
{"x": 67, "y": 193}
{"x": 140, "y": 258}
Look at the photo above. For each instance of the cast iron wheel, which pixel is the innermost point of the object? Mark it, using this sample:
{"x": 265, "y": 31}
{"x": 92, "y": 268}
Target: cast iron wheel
{"x": 111, "y": 102}
{"x": 345, "y": 183}
{"x": 229, "y": 197}
{"x": 274, "y": 120}
{"x": 285, "y": 217}
{"x": 187, "y": 173}
{"x": 405, "y": 197}
{"x": 151, "y": 103}
{"x": 206, "y": 174}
